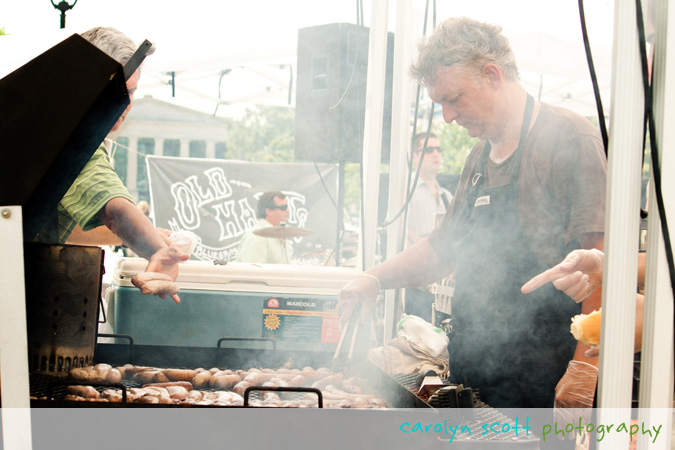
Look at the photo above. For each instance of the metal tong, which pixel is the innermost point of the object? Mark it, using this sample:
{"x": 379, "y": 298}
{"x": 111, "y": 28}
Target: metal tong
{"x": 360, "y": 335}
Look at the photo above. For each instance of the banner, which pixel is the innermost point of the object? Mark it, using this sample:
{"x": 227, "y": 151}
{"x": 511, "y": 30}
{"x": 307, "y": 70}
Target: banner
{"x": 216, "y": 200}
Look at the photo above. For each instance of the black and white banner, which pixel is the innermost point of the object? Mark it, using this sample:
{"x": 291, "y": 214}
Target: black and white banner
{"x": 216, "y": 200}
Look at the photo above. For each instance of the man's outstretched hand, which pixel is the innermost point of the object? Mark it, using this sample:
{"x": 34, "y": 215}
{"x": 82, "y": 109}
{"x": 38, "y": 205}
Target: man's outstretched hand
{"x": 161, "y": 273}
{"x": 577, "y": 275}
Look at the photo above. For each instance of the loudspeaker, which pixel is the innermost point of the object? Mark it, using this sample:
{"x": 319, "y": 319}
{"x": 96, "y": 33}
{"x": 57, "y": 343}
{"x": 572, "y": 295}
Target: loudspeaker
{"x": 331, "y": 93}
{"x": 57, "y": 109}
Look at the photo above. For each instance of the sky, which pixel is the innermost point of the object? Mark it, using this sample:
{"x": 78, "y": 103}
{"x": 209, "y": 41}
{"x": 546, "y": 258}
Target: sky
{"x": 256, "y": 41}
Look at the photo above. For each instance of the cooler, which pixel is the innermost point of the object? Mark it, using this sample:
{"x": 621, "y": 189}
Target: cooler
{"x": 243, "y": 302}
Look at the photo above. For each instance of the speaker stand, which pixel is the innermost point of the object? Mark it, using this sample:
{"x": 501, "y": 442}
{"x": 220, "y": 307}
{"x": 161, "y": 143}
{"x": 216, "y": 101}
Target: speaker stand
{"x": 340, "y": 212}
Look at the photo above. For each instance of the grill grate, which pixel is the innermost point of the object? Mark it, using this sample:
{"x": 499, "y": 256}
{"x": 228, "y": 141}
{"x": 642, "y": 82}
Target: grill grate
{"x": 473, "y": 418}
{"x": 476, "y": 437}
{"x": 47, "y": 387}
{"x": 412, "y": 383}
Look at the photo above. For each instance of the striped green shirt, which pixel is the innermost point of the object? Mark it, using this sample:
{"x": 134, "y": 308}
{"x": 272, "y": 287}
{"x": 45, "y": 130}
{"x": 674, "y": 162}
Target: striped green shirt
{"x": 94, "y": 187}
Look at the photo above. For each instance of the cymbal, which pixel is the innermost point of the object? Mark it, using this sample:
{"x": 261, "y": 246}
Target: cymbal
{"x": 283, "y": 232}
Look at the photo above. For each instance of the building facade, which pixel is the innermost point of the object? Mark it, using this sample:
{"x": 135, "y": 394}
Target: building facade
{"x": 154, "y": 127}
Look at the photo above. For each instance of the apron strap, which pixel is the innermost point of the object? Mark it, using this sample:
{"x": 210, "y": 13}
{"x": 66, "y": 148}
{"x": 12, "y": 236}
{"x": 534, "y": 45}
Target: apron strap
{"x": 478, "y": 178}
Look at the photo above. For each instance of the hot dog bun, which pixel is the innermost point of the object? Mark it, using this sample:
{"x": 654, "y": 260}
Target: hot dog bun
{"x": 586, "y": 328}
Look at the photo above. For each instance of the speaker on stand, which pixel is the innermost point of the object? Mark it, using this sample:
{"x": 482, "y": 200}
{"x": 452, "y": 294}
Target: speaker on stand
{"x": 330, "y": 100}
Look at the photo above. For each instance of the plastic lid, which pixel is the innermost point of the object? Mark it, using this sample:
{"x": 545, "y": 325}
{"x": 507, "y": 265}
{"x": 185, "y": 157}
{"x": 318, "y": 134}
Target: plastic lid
{"x": 248, "y": 277}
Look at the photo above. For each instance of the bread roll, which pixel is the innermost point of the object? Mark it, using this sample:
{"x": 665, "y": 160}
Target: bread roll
{"x": 586, "y": 328}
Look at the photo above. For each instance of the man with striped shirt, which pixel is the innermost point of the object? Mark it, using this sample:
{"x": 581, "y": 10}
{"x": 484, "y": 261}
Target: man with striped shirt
{"x": 98, "y": 209}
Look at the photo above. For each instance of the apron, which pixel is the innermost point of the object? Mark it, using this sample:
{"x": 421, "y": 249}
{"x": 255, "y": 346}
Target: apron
{"x": 514, "y": 348}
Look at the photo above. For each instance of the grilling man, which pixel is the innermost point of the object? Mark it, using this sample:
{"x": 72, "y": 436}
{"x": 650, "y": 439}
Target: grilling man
{"x": 99, "y": 208}
{"x": 531, "y": 190}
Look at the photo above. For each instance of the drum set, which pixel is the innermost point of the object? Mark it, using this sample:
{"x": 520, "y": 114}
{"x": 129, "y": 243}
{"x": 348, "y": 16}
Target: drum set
{"x": 283, "y": 232}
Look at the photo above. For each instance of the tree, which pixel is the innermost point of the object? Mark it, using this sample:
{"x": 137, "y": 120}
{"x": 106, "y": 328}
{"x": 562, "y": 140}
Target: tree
{"x": 264, "y": 133}
{"x": 456, "y": 146}
{"x": 3, "y": 32}
{"x": 267, "y": 134}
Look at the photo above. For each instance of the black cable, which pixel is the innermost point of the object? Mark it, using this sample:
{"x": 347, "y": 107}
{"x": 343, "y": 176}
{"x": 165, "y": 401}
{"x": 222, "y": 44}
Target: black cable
{"x": 656, "y": 165}
{"x": 410, "y": 171}
{"x": 323, "y": 183}
{"x": 410, "y": 189}
{"x": 359, "y": 22}
{"x": 645, "y": 84}
{"x": 412, "y": 138}
{"x": 220, "y": 80}
{"x": 410, "y": 193}
{"x": 290, "y": 86}
{"x": 426, "y": 18}
{"x": 594, "y": 78}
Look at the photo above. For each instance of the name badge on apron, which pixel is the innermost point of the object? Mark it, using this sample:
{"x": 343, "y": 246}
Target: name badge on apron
{"x": 482, "y": 201}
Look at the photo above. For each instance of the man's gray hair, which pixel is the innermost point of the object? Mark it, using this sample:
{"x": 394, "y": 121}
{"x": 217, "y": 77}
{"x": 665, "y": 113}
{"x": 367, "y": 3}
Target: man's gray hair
{"x": 114, "y": 43}
{"x": 467, "y": 42}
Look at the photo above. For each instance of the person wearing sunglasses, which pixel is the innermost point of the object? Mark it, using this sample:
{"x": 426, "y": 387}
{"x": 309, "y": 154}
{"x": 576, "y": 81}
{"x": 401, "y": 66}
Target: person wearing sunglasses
{"x": 429, "y": 199}
{"x": 271, "y": 211}
{"x": 428, "y": 203}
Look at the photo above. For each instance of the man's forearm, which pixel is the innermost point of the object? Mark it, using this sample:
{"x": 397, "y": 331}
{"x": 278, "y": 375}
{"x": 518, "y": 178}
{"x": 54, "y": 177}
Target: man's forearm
{"x": 132, "y": 226}
{"x": 417, "y": 265}
{"x": 98, "y": 236}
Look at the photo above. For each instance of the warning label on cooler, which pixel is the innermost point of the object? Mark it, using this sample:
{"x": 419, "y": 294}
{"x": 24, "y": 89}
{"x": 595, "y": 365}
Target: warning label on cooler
{"x": 306, "y": 320}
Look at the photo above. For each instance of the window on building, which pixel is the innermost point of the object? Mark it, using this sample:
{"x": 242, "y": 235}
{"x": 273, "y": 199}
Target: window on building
{"x": 197, "y": 149}
{"x": 120, "y": 155}
{"x": 171, "y": 147}
{"x": 146, "y": 146}
{"x": 221, "y": 150}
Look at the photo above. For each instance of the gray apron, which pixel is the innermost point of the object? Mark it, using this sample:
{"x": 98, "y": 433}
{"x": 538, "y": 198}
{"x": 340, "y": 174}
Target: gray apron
{"x": 514, "y": 348}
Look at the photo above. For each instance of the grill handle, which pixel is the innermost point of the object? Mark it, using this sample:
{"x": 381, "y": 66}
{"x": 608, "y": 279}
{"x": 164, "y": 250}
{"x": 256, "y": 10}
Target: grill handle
{"x": 245, "y": 339}
{"x": 281, "y": 389}
{"x": 122, "y": 336}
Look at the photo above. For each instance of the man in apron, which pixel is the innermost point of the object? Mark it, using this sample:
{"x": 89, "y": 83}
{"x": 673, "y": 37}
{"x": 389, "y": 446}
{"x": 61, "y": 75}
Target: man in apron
{"x": 531, "y": 190}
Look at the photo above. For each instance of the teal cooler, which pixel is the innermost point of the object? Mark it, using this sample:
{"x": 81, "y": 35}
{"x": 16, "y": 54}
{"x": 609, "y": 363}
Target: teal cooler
{"x": 293, "y": 305}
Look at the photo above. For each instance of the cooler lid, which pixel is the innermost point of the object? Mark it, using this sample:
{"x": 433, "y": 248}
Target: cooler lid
{"x": 247, "y": 277}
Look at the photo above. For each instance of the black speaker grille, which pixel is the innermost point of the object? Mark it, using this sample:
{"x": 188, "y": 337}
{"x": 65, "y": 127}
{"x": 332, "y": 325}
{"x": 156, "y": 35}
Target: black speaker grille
{"x": 331, "y": 93}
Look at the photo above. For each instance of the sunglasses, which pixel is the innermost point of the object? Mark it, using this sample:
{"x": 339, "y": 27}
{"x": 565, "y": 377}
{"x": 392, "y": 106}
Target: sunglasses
{"x": 281, "y": 207}
{"x": 429, "y": 150}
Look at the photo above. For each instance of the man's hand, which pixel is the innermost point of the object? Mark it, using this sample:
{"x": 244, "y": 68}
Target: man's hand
{"x": 574, "y": 392}
{"x": 577, "y": 275}
{"x": 164, "y": 234}
{"x": 157, "y": 284}
{"x": 165, "y": 261}
{"x": 360, "y": 292}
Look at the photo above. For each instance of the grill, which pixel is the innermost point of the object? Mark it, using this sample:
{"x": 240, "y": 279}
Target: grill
{"x": 49, "y": 391}
{"x": 399, "y": 391}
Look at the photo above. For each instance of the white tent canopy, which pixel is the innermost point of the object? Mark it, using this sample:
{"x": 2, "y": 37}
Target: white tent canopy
{"x": 246, "y": 55}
